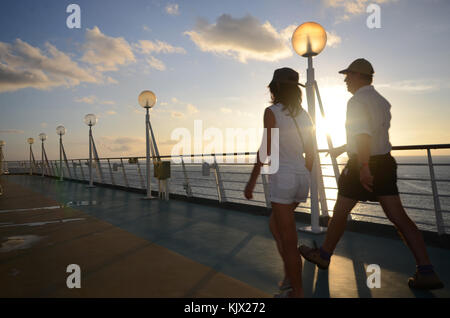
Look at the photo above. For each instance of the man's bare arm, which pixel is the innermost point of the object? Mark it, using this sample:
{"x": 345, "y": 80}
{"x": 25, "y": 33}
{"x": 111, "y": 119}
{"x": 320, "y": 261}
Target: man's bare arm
{"x": 363, "y": 142}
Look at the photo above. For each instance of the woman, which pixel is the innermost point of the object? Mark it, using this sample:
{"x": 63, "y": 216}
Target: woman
{"x": 290, "y": 184}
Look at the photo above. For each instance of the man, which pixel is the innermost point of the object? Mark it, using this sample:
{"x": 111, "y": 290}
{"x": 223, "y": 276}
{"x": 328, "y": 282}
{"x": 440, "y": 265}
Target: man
{"x": 370, "y": 174}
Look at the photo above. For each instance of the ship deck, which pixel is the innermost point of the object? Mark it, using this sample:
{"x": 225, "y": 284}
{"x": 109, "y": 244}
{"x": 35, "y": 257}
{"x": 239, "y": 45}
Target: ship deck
{"x": 128, "y": 247}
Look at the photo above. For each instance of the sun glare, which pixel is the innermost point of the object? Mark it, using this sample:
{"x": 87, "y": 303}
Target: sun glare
{"x": 334, "y": 99}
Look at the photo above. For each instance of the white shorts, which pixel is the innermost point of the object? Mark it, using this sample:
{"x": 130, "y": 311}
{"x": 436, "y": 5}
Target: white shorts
{"x": 288, "y": 187}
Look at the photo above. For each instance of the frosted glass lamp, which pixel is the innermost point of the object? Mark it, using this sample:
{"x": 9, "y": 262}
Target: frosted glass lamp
{"x": 42, "y": 136}
{"x": 60, "y": 130}
{"x": 147, "y": 99}
{"x": 90, "y": 119}
{"x": 309, "y": 39}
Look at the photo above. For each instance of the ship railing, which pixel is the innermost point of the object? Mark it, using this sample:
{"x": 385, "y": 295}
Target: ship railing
{"x": 223, "y": 176}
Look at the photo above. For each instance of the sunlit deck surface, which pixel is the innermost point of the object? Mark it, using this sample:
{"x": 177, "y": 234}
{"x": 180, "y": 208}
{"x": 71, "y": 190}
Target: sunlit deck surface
{"x": 128, "y": 247}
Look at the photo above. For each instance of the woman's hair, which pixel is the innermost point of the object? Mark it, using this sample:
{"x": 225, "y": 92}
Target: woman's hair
{"x": 288, "y": 94}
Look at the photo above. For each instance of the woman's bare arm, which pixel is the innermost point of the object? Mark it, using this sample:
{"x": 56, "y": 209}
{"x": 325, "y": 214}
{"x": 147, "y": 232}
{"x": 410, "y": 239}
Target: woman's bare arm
{"x": 269, "y": 123}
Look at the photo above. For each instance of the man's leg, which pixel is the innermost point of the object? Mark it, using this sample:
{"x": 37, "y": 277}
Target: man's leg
{"x": 336, "y": 227}
{"x": 393, "y": 208}
{"x": 338, "y": 222}
{"x": 425, "y": 277}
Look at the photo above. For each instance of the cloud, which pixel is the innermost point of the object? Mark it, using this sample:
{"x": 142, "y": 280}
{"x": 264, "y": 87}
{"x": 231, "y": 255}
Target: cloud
{"x": 172, "y": 9}
{"x": 352, "y": 7}
{"x": 333, "y": 40}
{"x": 87, "y": 100}
{"x": 11, "y": 131}
{"x": 107, "y": 102}
{"x": 244, "y": 114}
{"x": 169, "y": 142}
{"x": 23, "y": 65}
{"x": 414, "y": 86}
{"x": 175, "y": 114}
{"x": 146, "y": 28}
{"x": 111, "y": 80}
{"x": 106, "y": 52}
{"x": 191, "y": 109}
{"x": 242, "y": 38}
{"x": 44, "y": 125}
{"x": 122, "y": 144}
{"x": 148, "y": 47}
{"x": 111, "y": 112}
{"x": 155, "y": 63}
{"x": 94, "y": 99}
{"x": 226, "y": 110}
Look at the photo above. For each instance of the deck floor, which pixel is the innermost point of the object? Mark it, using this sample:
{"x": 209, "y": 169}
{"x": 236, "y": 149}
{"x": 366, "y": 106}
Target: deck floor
{"x": 128, "y": 247}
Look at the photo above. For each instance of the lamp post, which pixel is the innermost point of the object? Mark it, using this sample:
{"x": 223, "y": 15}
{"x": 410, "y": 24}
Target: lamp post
{"x": 147, "y": 99}
{"x": 31, "y": 141}
{"x": 90, "y": 120}
{"x": 308, "y": 40}
{"x": 42, "y": 137}
{"x": 2, "y": 143}
{"x": 60, "y": 130}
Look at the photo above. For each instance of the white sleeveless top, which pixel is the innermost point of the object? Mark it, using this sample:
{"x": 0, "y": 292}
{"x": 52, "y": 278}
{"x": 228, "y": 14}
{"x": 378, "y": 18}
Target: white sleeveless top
{"x": 290, "y": 145}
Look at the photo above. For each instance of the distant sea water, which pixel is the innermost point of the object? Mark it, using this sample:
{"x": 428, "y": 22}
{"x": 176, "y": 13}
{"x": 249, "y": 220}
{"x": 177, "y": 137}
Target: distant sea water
{"x": 416, "y": 196}
{"x": 420, "y": 208}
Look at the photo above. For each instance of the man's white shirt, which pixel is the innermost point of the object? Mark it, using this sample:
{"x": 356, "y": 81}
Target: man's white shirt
{"x": 368, "y": 113}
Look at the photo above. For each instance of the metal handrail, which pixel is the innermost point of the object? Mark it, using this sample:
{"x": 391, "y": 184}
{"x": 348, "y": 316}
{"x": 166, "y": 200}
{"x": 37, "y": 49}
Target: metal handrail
{"x": 133, "y": 171}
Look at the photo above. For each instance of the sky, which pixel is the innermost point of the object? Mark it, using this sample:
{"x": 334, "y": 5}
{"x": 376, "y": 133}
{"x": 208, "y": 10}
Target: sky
{"x": 209, "y": 63}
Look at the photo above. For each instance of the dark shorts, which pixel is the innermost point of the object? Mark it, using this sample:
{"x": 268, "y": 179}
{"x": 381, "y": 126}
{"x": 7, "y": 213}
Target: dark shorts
{"x": 384, "y": 172}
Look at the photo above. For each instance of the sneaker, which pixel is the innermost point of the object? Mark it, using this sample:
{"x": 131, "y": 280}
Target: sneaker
{"x": 427, "y": 281}
{"x": 283, "y": 294}
{"x": 285, "y": 285}
{"x": 313, "y": 255}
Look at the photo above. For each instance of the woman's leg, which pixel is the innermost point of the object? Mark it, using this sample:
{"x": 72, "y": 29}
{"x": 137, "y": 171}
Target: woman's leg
{"x": 285, "y": 229}
{"x": 276, "y": 236}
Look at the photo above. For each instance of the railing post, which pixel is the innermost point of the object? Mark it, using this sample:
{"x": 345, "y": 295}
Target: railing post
{"x": 437, "y": 204}
{"x": 1, "y": 160}
{"x": 124, "y": 173}
{"x": 110, "y": 173}
{"x": 66, "y": 161}
{"x": 98, "y": 166}
{"x": 46, "y": 162}
{"x": 74, "y": 166}
{"x": 81, "y": 168}
{"x": 141, "y": 178}
{"x": 55, "y": 168}
{"x": 266, "y": 190}
{"x": 186, "y": 184}
{"x": 219, "y": 183}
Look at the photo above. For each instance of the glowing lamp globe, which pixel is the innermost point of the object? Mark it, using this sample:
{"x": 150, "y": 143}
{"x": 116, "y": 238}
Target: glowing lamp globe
{"x": 42, "y": 136}
{"x": 90, "y": 119}
{"x": 60, "y": 130}
{"x": 2, "y": 143}
{"x": 30, "y": 141}
{"x": 147, "y": 99}
{"x": 309, "y": 39}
